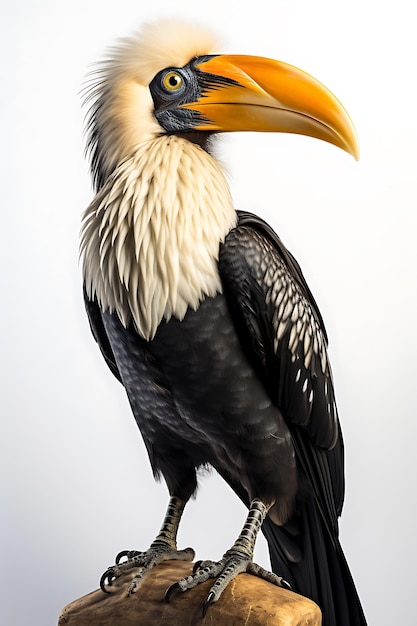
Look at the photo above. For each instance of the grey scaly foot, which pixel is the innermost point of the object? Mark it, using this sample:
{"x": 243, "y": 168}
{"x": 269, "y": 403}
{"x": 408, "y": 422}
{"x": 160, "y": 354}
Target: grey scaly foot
{"x": 162, "y": 549}
{"x": 225, "y": 570}
{"x": 145, "y": 561}
{"x": 235, "y": 561}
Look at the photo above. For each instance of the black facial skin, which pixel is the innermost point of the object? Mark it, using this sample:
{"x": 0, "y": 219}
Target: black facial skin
{"x": 195, "y": 84}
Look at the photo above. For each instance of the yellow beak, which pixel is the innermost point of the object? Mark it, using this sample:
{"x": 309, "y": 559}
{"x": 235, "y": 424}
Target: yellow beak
{"x": 246, "y": 93}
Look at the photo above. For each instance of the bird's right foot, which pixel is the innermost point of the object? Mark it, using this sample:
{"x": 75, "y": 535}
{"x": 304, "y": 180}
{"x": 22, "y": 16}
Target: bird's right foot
{"x": 144, "y": 561}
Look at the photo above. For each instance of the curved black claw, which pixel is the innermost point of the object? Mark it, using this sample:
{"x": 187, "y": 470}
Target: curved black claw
{"x": 209, "y": 600}
{"x": 197, "y": 565}
{"x": 108, "y": 576}
{"x": 129, "y": 554}
{"x": 172, "y": 589}
{"x": 286, "y": 584}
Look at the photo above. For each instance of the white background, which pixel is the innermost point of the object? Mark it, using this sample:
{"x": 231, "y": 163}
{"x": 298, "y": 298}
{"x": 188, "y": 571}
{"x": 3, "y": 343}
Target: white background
{"x": 76, "y": 483}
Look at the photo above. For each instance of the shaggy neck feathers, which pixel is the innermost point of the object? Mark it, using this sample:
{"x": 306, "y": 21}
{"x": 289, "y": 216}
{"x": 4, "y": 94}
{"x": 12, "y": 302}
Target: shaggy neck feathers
{"x": 151, "y": 236}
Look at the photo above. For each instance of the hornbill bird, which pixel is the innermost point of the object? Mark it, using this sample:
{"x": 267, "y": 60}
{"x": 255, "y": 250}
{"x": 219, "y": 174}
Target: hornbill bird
{"x": 205, "y": 317}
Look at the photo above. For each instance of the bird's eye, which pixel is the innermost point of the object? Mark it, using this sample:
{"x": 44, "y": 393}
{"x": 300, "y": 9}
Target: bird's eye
{"x": 172, "y": 81}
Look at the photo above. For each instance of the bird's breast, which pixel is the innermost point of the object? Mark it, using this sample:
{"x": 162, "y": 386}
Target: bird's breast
{"x": 150, "y": 238}
{"x": 194, "y": 383}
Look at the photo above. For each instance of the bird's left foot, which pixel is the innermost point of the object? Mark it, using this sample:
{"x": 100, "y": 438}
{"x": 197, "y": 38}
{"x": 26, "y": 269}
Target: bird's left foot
{"x": 233, "y": 563}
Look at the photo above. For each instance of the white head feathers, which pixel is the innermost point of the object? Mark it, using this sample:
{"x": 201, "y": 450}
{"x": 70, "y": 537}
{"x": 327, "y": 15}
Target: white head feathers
{"x": 157, "y": 46}
{"x": 120, "y": 113}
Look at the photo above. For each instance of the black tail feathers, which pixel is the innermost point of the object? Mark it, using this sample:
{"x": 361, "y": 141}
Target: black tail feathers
{"x": 305, "y": 555}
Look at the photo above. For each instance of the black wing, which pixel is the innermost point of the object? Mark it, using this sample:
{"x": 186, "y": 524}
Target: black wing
{"x": 99, "y": 333}
{"x": 283, "y": 334}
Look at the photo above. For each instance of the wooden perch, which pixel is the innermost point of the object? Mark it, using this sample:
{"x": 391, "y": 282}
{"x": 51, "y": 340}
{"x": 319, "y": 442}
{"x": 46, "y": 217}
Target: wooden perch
{"x": 247, "y": 601}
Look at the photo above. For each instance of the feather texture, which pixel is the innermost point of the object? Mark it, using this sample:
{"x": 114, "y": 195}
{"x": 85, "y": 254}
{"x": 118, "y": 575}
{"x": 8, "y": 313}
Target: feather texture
{"x": 120, "y": 105}
{"x": 150, "y": 238}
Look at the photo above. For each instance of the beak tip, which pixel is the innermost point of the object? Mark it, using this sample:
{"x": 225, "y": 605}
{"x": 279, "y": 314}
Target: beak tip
{"x": 350, "y": 141}
{"x": 356, "y": 152}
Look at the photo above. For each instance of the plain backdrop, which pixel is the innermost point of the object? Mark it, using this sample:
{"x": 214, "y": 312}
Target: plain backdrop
{"x": 76, "y": 482}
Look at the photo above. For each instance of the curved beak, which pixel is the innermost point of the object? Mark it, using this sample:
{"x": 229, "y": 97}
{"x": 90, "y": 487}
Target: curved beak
{"x": 246, "y": 93}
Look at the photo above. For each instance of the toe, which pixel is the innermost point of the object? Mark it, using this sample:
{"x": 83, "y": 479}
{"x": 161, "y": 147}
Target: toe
{"x": 128, "y": 554}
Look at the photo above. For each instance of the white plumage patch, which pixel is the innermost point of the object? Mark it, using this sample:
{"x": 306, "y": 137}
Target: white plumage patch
{"x": 150, "y": 238}
{"x": 166, "y": 43}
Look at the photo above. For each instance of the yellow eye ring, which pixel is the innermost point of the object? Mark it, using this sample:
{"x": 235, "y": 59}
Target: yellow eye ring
{"x": 172, "y": 81}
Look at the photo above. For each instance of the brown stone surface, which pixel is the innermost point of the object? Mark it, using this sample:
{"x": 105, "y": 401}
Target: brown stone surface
{"x": 247, "y": 601}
